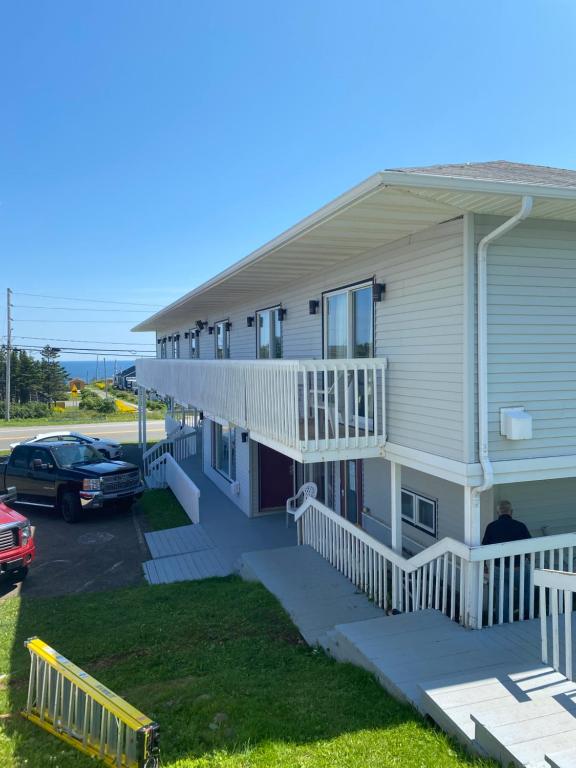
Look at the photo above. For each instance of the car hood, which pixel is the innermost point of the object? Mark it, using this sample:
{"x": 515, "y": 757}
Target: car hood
{"x": 8, "y": 515}
{"x": 104, "y": 468}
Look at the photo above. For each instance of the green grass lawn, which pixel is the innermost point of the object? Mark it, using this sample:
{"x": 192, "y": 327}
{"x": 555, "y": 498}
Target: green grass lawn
{"x": 162, "y": 510}
{"x": 77, "y": 416}
{"x": 221, "y": 668}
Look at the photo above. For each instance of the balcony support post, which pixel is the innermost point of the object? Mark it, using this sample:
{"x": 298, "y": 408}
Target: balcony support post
{"x": 474, "y": 584}
{"x": 396, "y": 527}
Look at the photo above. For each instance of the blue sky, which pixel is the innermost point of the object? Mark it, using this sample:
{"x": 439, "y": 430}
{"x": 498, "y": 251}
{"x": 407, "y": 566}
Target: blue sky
{"x": 146, "y": 145}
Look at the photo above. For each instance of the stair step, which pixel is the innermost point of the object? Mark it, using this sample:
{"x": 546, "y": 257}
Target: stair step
{"x": 522, "y": 733}
{"x": 564, "y": 759}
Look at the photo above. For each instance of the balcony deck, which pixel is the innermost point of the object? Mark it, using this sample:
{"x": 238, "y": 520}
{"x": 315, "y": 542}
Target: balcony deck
{"x": 310, "y": 410}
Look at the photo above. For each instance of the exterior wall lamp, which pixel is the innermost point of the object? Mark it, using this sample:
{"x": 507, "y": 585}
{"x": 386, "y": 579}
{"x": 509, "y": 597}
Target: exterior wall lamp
{"x": 281, "y": 313}
{"x": 201, "y": 325}
{"x": 250, "y": 321}
{"x": 210, "y": 329}
{"x": 313, "y": 306}
{"x": 186, "y": 334}
{"x": 228, "y": 326}
{"x": 378, "y": 291}
{"x": 244, "y": 436}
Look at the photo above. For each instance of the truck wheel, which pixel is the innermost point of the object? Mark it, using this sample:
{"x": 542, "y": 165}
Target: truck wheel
{"x": 70, "y": 507}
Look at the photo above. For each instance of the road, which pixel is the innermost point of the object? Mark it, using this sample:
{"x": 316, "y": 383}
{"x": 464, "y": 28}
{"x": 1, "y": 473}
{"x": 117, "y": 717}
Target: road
{"x": 122, "y": 431}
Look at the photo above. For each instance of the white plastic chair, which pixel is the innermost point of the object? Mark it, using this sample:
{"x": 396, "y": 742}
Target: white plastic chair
{"x": 306, "y": 491}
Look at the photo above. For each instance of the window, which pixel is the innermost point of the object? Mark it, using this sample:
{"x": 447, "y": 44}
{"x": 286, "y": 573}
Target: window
{"x": 176, "y": 345}
{"x": 222, "y": 340}
{"x": 269, "y": 333}
{"x": 348, "y": 322}
{"x": 224, "y": 450}
{"x": 419, "y": 511}
{"x": 194, "y": 344}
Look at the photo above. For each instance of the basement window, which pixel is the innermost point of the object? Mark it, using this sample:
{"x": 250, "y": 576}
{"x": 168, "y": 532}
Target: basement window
{"x": 420, "y": 511}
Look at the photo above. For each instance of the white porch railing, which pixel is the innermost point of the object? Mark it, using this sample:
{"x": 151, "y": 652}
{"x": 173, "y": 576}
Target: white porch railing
{"x": 556, "y": 593}
{"x": 181, "y": 447}
{"x": 476, "y": 586}
{"x": 165, "y": 471}
{"x": 308, "y": 406}
{"x": 182, "y": 421}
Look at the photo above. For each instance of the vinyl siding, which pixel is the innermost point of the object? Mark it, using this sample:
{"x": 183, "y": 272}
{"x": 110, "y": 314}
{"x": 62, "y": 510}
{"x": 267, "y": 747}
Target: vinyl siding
{"x": 532, "y": 335}
{"x": 449, "y": 498}
{"x": 418, "y": 327}
{"x": 547, "y": 507}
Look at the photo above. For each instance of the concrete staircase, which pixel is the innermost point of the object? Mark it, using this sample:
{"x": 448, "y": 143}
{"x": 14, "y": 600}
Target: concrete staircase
{"x": 486, "y": 688}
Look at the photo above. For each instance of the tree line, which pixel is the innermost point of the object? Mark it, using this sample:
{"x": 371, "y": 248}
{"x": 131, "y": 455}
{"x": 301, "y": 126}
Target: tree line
{"x": 42, "y": 381}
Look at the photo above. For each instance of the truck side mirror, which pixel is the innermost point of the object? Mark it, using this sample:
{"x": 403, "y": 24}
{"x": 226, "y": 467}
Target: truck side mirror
{"x": 36, "y": 464}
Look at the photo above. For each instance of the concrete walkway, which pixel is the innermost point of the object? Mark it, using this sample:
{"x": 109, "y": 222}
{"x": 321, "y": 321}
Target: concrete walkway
{"x": 215, "y": 546}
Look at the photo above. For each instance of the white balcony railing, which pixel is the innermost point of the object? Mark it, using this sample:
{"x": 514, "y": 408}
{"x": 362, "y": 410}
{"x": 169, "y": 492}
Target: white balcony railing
{"x": 310, "y": 407}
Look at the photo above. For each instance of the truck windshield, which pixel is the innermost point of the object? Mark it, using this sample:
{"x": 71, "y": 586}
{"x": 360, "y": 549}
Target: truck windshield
{"x": 71, "y": 454}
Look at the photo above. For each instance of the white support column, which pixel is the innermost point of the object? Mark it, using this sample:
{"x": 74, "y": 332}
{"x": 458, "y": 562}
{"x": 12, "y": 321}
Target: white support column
{"x": 472, "y": 537}
{"x": 144, "y": 414}
{"x": 396, "y": 524}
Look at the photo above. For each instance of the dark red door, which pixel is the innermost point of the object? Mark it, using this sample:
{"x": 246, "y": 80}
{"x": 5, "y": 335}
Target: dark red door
{"x": 276, "y": 483}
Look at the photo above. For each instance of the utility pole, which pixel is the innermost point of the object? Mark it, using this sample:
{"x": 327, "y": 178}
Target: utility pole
{"x": 8, "y": 350}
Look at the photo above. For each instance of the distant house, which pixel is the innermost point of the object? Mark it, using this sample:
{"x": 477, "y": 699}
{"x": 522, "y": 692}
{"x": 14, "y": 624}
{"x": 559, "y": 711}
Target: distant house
{"x": 125, "y": 379}
{"x": 76, "y": 384}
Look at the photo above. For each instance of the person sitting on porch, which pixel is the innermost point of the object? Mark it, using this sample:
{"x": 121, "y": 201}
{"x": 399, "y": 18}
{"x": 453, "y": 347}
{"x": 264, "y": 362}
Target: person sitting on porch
{"x": 505, "y": 528}
{"x": 500, "y": 531}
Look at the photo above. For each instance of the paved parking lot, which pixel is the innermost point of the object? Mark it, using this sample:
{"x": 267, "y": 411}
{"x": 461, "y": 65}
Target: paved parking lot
{"x": 104, "y": 550}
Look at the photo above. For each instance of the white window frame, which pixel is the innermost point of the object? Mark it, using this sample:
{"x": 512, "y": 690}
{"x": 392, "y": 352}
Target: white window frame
{"x": 193, "y": 344}
{"x": 176, "y": 349}
{"x": 415, "y": 522}
{"x": 272, "y": 315}
{"x": 226, "y": 337}
{"x": 347, "y": 290}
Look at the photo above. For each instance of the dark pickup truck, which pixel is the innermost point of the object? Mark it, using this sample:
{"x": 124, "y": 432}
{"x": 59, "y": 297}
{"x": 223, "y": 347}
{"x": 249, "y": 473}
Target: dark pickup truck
{"x": 69, "y": 477}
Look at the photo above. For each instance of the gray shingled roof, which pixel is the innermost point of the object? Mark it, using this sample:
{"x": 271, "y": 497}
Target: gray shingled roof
{"x": 501, "y": 170}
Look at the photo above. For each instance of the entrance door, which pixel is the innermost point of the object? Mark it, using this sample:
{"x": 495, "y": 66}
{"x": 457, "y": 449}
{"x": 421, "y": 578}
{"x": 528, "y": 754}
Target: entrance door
{"x": 276, "y": 479}
{"x": 351, "y": 490}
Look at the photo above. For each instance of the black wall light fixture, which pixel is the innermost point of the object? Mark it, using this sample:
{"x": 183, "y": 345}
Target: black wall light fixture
{"x": 281, "y": 313}
{"x": 244, "y": 436}
{"x": 177, "y": 337}
{"x": 197, "y": 332}
{"x": 378, "y": 291}
{"x": 169, "y": 338}
{"x": 228, "y": 326}
{"x": 313, "y": 305}
{"x": 250, "y": 321}
{"x": 210, "y": 329}
{"x": 159, "y": 341}
{"x": 186, "y": 334}
{"x": 200, "y": 325}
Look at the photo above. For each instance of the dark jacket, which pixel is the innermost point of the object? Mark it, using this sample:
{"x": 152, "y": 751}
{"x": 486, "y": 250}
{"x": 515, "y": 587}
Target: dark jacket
{"x": 505, "y": 529}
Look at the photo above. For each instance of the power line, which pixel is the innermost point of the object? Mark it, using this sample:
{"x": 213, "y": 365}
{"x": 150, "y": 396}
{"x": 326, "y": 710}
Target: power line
{"x": 76, "y": 309}
{"x": 86, "y": 352}
{"x": 86, "y": 341}
{"x": 97, "y": 320}
{"x": 93, "y": 301}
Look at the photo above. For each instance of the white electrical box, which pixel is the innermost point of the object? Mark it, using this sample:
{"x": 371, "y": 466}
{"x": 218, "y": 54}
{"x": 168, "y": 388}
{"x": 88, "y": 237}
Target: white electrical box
{"x": 515, "y": 423}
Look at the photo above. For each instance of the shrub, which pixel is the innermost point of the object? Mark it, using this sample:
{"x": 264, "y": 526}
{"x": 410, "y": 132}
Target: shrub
{"x": 91, "y": 403}
{"x": 106, "y": 406}
{"x": 27, "y": 410}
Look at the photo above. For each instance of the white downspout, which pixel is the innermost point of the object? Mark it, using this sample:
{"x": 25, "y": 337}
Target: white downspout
{"x": 482, "y": 351}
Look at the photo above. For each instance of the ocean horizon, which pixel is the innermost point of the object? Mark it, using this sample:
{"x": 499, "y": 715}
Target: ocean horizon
{"x": 90, "y": 370}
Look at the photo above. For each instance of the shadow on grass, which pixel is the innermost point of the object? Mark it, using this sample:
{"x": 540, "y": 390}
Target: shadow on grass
{"x": 222, "y": 669}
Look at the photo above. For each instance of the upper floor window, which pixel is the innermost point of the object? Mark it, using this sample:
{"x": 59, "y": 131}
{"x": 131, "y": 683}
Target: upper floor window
{"x": 194, "y": 344}
{"x": 176, "y": 345}
{"x": 222, "y": 340}
{"x": 419, "y": 511}
{"x": 349, "y": 322}
{"x": 269, "y": 333}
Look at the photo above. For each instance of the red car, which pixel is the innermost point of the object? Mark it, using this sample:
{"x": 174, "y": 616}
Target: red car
{"x": 17, "y": 547}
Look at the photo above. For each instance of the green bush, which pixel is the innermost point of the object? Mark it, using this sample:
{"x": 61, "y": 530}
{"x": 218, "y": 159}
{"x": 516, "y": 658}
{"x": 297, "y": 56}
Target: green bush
{"x": 91, "y": 403}
{"x": 106, "y": 406}
{"x": 27, "y": 410}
